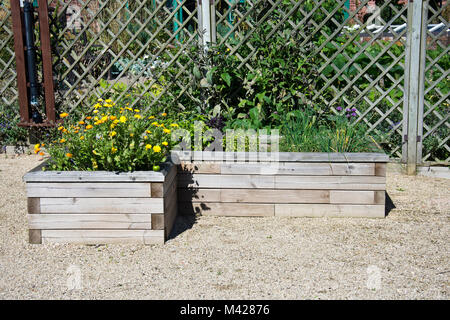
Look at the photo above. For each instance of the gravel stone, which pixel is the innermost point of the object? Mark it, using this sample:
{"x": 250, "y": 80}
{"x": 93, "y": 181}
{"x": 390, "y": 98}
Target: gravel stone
{"x": 404, "y": 256}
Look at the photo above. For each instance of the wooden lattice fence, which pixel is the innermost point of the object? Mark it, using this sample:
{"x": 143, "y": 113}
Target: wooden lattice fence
{"x": 370, "y": 57}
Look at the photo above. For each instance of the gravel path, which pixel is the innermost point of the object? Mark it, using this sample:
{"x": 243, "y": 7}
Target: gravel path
{"x": 405, "y": 256}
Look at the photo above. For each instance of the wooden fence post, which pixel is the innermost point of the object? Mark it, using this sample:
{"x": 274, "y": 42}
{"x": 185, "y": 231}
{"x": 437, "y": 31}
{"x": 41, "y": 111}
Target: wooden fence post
{"x": 207, "y": 21}
{"x": 414, "y": 84}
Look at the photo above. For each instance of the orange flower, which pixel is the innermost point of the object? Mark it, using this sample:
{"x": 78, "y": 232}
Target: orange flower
{"x": 89, "y": 126}
{"x": 64, "y": 114}
{"x": 69, "y": 155}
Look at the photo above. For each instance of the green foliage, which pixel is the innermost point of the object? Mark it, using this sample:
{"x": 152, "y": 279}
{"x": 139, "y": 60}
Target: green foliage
{"x": 10, "y": 132}
{"x": 113, "y": 137}
{"x": 305, "y": 131}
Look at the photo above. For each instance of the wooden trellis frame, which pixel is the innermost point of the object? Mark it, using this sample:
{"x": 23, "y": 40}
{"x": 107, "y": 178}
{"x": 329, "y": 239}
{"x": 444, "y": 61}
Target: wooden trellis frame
{"x": 106, "y": 25}
{"x": 47, "y": 72}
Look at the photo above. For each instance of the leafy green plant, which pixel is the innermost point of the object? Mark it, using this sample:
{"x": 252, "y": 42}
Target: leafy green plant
{"x": 305, "y": 131}
{"x": 10, "y": 132}
{"x": 113, "y": 137}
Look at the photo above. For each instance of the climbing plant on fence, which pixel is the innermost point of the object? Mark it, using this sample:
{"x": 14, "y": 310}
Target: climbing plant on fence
{"x": 151, "y": 48}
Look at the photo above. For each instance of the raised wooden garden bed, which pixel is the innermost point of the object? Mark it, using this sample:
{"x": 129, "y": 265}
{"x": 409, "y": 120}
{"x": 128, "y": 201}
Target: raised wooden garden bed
{"x": 101, "y": 207}
{"x": 296, "y": 185}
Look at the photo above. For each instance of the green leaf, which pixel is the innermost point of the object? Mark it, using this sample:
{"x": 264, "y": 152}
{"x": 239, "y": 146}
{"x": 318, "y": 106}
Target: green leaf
{"x": 226, "y": 77}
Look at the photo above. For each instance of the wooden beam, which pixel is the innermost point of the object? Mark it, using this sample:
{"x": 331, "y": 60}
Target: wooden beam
{"x": 19, "y": 51}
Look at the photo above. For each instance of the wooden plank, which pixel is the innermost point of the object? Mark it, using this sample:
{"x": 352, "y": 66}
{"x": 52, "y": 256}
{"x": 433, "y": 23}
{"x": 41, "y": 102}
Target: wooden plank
{"x": 380, "y": 169}
{"x": 282, "y": 156}
{"x": 20, "y": 61}
{"x": 227, "y": 209}
{"x": 188, "y": 168}
{"x": 171, "y": 188}
{"x": 34, "y": 205}
{"x": 331, "y": 182}
{"x": 293, "y": 168}
{"x": 157, "y": 221}
{"x": 170, "y": 177}
{"x": 352, "y": 197}
{"x": 198, "y": 195}
{"x": 90, "y": 221}
{"x": 225, "y": 181}
{"x": 88, "y": 189}
{"x": 274, "y": 196}
{"x": 34, "y": 236}
{"x": 170, "y": 214}
{"x": 37, "y": 175}
{"x": 329, "y": 210}
{"x": 102, "y": 205}
{"x": 103, "y": 236}
{"x": 157, "y": 190}
{"x": 380, "y": 197}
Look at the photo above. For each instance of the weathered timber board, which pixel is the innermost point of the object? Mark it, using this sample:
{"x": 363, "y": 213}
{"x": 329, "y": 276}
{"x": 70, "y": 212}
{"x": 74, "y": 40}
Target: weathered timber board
{"x": 329, "y": 210}
{"x": 282, "y": 182}
{"x": 103, "y": 236}
{"x": 90, "y": 221}
{"x": 281, "y": 196}
{"x": 227, "y": 209}
{"x": 88, "y": 190}
{"x": 102, "y": 205}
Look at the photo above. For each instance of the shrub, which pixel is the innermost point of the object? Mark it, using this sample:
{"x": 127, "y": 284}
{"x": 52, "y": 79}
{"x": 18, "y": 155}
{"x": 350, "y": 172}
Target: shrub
{"x": 113, "y": 137}
{"x": 10, "y": 132}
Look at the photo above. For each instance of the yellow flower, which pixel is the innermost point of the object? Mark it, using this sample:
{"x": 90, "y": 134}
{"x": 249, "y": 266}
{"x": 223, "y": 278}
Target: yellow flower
{"x": 36, "y": 146}
{"x": 98, "y": 105}
{"x": 89, "y": 127}
{"x": 82, "y": 138}
{"x": 174, "y": 125}
{"x": 60, "y": 128}
{"x": 137, "y": 116}
{"x": 145, "y": 137}
{"x": 151, "y": 117}
{"x": 112, "y": 133}
{"x": 104, "y": 119}
{"x": 165, "y": 143}
{"x": 62, "y": 140}
{"x": 108, "y": 101}
{"x": 128, "y": 108}
{"x": 148, "y": 131}
{"x": 155, "y": 123}
{"x": 64, "y": 114}
{"x": 36, "y": 150}
{"x": 148, "y": 146}
{"x": 112, "y": 118}
{"x": 166, "y": 130}
{"x": 164, "y": 114}
{"x": 113, "y": 150}
{"x": 68, "y": 155}
{"x": 81, "y": 122}
{"x": 123, "y": 119}
{"x": 95, "y": 111}
{"x": 137, "y": 110}
{"x": 157, "y": 149}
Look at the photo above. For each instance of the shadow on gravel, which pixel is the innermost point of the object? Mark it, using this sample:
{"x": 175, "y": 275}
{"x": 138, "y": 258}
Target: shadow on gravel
{"x": 389, "y": 205}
